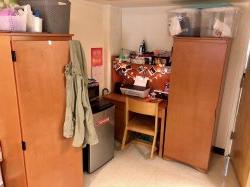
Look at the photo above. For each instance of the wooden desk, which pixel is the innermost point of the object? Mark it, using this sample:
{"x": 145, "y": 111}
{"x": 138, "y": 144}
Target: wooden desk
{"x": 119, "y": 100}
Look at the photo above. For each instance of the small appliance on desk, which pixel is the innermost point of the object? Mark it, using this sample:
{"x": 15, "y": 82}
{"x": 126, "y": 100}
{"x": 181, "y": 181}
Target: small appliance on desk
{"x": 93, "y": 89}
{"x": 138, "y": 89}
{"x": 95, "y": 156}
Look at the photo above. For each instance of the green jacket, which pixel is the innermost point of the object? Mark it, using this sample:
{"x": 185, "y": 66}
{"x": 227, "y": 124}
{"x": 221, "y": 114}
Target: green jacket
{"x": 79, "y": 122}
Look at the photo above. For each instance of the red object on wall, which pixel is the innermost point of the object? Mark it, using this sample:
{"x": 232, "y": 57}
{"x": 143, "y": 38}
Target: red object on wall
{"x": 96, "y": 57}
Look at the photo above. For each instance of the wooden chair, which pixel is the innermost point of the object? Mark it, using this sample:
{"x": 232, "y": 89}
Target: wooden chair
{"x": 143, "y": 123}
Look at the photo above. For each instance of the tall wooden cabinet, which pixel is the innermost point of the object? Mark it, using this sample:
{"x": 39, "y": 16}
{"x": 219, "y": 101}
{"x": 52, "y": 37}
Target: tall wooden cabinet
{"x": 194, "y": 102}
{"x": 32, "y": 107}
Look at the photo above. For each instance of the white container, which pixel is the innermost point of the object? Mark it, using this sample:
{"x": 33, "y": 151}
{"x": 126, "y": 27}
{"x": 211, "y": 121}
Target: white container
{"x": 184, "y": 22}
{"x": 35, "y": 24}
{"x": 219, "y": 22}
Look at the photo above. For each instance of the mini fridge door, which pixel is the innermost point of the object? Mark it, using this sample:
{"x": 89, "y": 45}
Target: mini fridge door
{"x": 103, "y": 152}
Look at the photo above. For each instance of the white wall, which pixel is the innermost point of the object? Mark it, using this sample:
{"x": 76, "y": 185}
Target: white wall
{"x": 113, "y": 38}
{"x": 149, "y": 24}
{"x": 116, "y": 30}
{"x": 87, "y": 23}
{"x": 97, "y": 25}
{"x": 236, "y": 66}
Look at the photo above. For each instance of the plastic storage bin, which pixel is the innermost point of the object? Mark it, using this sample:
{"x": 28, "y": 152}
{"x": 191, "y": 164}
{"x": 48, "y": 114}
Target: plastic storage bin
{"x": 55, "y": 14}
{"x": 13, "y": 23}
{"x": 185, "y": 22}
{"x": 219, "y": 22}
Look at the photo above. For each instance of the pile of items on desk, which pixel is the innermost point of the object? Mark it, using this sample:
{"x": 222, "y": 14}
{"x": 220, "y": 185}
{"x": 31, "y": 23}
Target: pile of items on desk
{"x": 137, "y": 69}
{"x": 157, "y": 57}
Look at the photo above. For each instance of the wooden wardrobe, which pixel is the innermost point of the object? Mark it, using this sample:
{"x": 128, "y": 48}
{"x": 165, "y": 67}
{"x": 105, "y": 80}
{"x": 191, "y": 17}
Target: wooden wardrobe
{"x": 196, "y": 87}
{"x": 32, "y": 107}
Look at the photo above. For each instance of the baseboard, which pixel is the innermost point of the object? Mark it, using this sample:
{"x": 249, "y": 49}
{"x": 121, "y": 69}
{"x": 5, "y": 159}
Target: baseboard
{"x": 218, "y": 150}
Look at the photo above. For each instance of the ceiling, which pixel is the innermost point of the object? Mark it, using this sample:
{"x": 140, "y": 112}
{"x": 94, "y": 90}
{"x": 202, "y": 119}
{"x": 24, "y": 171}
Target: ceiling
{"x": 131, "y": 3}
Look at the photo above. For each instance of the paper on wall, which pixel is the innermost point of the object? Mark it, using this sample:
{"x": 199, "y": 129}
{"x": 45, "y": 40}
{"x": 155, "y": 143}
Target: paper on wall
{"x": 141, "y": 81}
{"x": 98, "y": 74}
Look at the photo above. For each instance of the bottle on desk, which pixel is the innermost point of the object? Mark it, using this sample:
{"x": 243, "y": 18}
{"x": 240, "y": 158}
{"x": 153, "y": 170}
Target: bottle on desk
{"x": 142, "y": 48}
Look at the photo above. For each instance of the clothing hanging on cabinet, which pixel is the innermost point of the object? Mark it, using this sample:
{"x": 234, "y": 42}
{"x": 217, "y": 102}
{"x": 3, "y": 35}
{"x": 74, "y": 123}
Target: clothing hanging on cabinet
{"x": 79, "y": 122}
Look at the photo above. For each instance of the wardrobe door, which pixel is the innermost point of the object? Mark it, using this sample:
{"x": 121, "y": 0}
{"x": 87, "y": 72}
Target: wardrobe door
{"x": 240, "y": 155}
{"x": 10, "y": 133}
{"x": 49, "y": 158}
{"x": 197, "y": 75}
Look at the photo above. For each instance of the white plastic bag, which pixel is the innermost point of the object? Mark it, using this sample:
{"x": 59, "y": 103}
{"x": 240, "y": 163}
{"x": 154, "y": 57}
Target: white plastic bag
{"x": 34, "y": 24}
{"x": 174, "y": 26}
{"x": 221, "y": 29}
{"x": 1, "y": 159}
{"x": 219, "y": 22}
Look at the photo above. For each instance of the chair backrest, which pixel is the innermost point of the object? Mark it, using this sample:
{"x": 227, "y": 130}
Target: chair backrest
{"x": 142, "y": 107}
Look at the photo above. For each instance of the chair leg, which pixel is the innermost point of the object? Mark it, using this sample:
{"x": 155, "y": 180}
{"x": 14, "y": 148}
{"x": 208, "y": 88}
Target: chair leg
{"x": 153, "y": 147}
{"x": 124, "y": 138}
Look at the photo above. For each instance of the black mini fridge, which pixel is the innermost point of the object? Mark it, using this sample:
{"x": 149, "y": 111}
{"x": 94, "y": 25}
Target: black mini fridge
{"x": 96, "y": 156}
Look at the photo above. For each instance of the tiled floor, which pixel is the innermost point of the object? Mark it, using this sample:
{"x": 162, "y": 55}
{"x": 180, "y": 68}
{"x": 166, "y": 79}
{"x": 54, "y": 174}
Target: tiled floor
{"x": 131, "y": 168}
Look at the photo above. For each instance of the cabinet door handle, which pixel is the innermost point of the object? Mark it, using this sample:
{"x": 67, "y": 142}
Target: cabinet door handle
{"x": 24, "y": 147}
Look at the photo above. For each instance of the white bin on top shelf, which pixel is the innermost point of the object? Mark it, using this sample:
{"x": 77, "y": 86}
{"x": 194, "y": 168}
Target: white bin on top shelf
{"x": 219, "y": 22}
{"x": 184, "y": 22}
